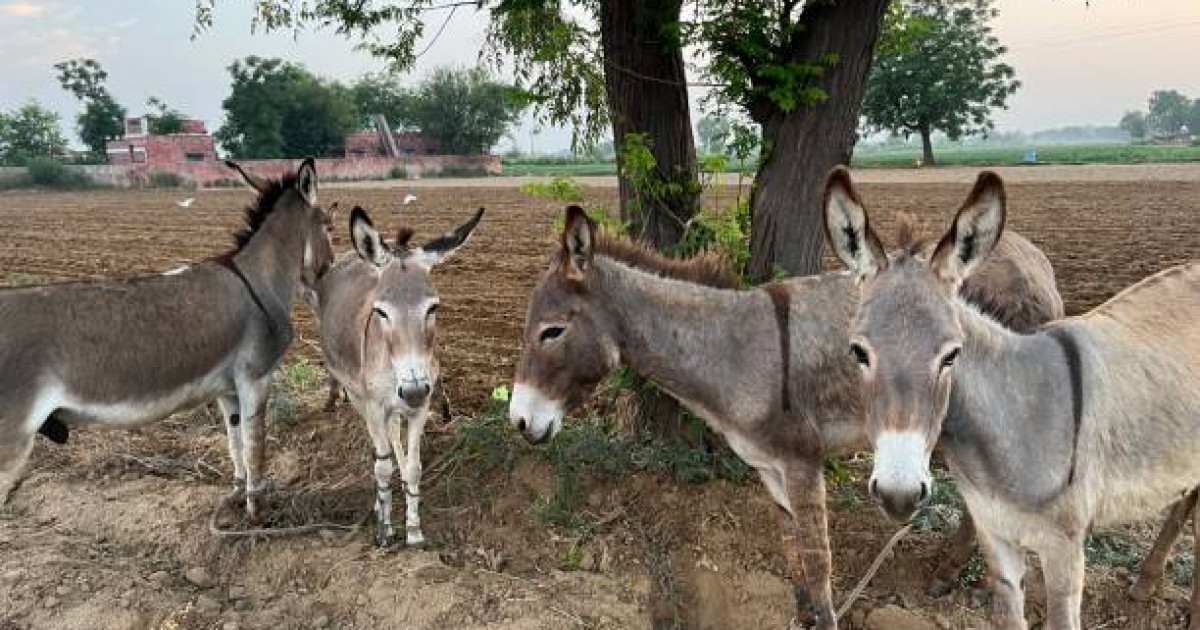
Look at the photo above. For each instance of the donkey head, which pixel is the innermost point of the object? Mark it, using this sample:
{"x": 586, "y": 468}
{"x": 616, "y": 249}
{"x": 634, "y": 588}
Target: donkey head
{"x": 907, "y": 334}
{"x": 295, "y": 199}
{"x": 569, "y": 347}
{"x": 404, "y": 303}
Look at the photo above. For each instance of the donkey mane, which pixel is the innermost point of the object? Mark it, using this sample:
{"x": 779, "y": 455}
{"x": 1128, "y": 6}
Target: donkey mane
{"x": 708, "y": 268}
{"x": 257, "y": 214}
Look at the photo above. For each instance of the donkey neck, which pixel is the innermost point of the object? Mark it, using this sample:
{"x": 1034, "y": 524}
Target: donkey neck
{"x": 272, "y": 264}
{"x": 695, "y": 341}
{"x": 1011, "y": 425}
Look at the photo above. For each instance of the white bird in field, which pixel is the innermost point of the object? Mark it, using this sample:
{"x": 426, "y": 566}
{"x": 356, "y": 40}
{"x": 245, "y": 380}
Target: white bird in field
{"x": 186, "y": 203}
{"x": 409, "y": 198}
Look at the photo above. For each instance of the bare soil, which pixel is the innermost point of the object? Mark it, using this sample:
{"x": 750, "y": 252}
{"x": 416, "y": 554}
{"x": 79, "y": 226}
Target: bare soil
{"x": 112, "y": 531}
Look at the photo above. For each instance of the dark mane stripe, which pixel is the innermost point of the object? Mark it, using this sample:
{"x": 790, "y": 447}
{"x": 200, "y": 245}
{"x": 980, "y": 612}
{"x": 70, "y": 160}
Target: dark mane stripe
{"x": 708, "y": 268}
{"x": 257, "y": 214}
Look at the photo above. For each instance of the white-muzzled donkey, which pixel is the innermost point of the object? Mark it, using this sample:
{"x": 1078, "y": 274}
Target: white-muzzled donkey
{"x": 377, "y": 312}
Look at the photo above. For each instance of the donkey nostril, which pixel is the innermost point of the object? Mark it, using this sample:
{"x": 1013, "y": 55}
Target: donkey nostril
{"x": 521, "y": 424}
{"x": 873, "y": 488}
{"x": 924, "y": 492}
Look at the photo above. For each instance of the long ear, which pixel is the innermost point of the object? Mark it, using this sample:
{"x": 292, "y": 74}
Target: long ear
{"x": 975, "y": 231}
{"x": 441, "y": 248}
{"x": 366, "y": 239}
{"x": 578, "y": 238}
{"x": 306, "y": 181}
{"x": 849, "y": 228}
{"x": 260, "y": 184}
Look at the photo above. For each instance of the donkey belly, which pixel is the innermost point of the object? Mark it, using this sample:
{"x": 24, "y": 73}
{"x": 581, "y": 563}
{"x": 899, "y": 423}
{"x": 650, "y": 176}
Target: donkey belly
{"x": 75, "y": 410}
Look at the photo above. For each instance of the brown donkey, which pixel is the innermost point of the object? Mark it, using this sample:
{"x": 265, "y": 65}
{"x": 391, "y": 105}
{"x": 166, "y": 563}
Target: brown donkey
{"x": 768, "y": 368}
{"x": 1091, "y": 420}
{"x": 119, "y": 353}
{"x": 377, "y": 312}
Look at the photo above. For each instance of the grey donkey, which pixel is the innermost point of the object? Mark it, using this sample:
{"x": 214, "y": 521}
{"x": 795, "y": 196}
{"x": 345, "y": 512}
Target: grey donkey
{"x": 1091, "y": 420}
{"x": 121, "y": 353}
{"x": 377, "y": 311}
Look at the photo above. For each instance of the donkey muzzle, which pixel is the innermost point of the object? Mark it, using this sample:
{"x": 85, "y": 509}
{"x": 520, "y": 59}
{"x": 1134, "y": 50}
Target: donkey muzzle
{"x": 415, "y": 392}
{"x": 900, "y": 502}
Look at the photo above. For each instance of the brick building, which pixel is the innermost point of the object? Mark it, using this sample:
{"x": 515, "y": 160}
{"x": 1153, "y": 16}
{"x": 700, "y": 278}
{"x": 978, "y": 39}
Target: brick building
{"x": 368, "y": 143}
{"x": 138, "y": 146}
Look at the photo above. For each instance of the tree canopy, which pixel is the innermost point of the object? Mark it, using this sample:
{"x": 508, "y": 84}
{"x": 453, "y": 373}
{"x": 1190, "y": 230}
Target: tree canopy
{"x": 102, "y": 117}
{"x": 938, "y": 68}
{"x": 28, "y": 132}
{"x": 278, "y": 109}
{"x": 164, "y": 119}
{"x": 464, "y": 110}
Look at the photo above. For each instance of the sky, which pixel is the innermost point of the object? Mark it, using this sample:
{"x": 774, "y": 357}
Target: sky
{"x": 1079, "y": 62}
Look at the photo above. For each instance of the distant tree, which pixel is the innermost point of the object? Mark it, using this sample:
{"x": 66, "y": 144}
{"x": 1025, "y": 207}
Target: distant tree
{"x": 1168, "y": 111}
{"x": 713, "y": 132}
{"x": 938, "y": 68}
{"x": 31, "y": 131}
{"x": 102, "y": 117}
{"x": 164, "y": 119}
{"x": 278, "y": 109}
{"x": 382, "y": 94}
{"x": 1134, "y": 122}
{"x": 465, "y": 110}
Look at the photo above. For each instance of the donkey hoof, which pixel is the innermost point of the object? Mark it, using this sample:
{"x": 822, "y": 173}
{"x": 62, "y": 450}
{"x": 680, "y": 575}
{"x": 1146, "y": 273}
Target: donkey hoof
{"x": 415, "y": 540}
{"x": 1143, "y": 590}
{"x": 940, "y": 588}
{"x": 383, "y": 540}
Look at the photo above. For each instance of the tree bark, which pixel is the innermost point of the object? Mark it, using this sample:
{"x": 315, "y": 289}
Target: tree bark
{"x": 926, "y": 147}
{"x": 804, "y": 144}
{"x": 646, "y": 84}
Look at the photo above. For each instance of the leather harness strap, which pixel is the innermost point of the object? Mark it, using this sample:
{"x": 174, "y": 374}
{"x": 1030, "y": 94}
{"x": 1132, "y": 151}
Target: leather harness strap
{"x": 228, "y": 263}
{"x": 1075, "y": 369}
{"x": 782, "y": 301}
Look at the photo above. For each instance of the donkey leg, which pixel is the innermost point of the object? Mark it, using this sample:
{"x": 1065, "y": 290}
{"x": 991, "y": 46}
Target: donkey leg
{"x": 1195, "y": 612}
{"x": 1063, "y": 565}
{"x": 381, "y": 447}
{"x": 1006, "y": 563}
{"x": 233, "y": 430}
{"x": 14, "y": 452}
{"x": 335, "y": 394}
{"x": 1156, "y": 561}
{"x": 252, "y": 403}
{"x": 806, "y": 542}
{"x": 956, "y": 553}
{"x": 411, "y": 473}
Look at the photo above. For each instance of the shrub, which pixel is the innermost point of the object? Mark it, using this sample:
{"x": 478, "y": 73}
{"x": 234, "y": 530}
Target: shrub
{"x": 558, "y": 189}
{"x": 462, "y": 170}
{"x": 165, "y": 179}
{"x": 51, "y": 173}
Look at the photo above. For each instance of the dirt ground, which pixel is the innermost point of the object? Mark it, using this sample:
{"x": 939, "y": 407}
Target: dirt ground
{"x": 112, "y": 531}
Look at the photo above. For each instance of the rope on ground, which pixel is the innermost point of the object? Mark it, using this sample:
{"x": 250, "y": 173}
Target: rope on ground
{"x": 297, "y": 530}
{"x": 866, "y": 579}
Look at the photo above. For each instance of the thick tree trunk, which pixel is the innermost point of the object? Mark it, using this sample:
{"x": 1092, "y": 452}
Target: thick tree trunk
{"x": 926, "y": 147}
{"x": 646, "y": 84}
{"x": 804, "y": 144}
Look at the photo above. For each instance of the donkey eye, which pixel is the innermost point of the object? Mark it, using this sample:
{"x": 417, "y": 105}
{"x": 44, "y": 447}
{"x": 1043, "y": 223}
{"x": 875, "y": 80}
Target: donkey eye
{"x": 948, "y": 360}
{"x": 552, "y": 333}
{"x": 381, "y": 313}
{"x": 860, "y": 355}
{"x": 432, "y": 310}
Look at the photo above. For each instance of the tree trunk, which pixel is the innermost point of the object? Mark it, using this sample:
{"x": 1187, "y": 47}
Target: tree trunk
{"x": 926, "y": 147}
{"x": 646, "y": 85}
{"x": 804, "y": 144}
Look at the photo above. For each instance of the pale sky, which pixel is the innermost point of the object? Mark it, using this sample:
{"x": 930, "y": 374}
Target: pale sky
{"x": 1080, "y": 63}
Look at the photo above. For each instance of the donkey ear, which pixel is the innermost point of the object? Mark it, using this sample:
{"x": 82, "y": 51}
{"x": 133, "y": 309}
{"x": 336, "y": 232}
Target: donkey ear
{"x": 849, "y": 228}
{"x": 975, "y": 231}
{"x": 577, "y": 241}
{"x": 306, "y": 181}
{"x": 259, "y": 184}
{"x": 366, "y": 239}
{"x": 441, "y": 248}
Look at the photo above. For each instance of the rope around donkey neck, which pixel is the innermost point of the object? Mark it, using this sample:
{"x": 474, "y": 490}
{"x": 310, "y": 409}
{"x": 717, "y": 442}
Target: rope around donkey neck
{"x": 866, "y": 579}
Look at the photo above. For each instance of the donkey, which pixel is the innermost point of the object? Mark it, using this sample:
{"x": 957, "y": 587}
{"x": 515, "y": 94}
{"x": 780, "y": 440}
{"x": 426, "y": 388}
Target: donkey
{"x": 1091, "y": 420}
{"x": 120, "y": 353}
{"x": 377, "y": 314}
{"x": 767, "y": 368}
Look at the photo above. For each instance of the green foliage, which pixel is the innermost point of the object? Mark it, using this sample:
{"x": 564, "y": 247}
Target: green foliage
{"x": 988, "y": 155}
{"x": 277, "y": 109}
{"x": 165, "y": 179}
{"x": 1169, "y": 111}
{"x": 465, "y": 110}
{"x": 20, "y": 279}
{"x": 462, "y": 170}
{"x": 102, "y": 117}
{"x": 164, "y": 119}
{"x": 290, "y": 385}
{"x": 29, "y": 131}
{"x": 51, "y": 173}
{"x": 559, "y": 189}
{"x": 382, "y": 94}
{"x": 1180, "y": 569}
{"x": 1135, "y": 123}
{"x": 1112, "y": 550}
{"x": 938, "y": 67}
{"x": 713, "y": 131}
